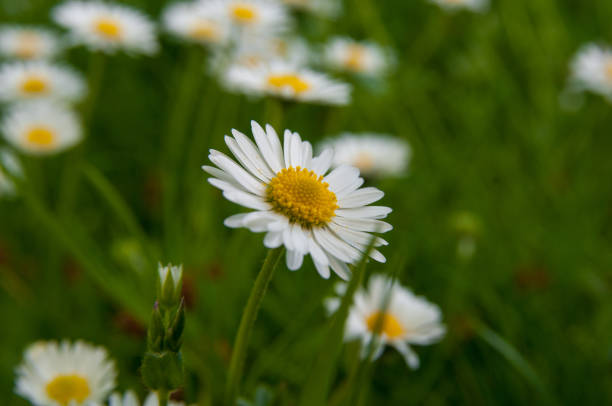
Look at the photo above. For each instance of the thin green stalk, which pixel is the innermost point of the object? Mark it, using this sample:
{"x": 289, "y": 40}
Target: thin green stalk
{"x": 162, "y": 394}
{"x": 247, "y": 322}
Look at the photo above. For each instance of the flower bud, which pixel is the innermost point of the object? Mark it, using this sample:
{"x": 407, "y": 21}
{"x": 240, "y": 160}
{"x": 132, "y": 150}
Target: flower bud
{"x": 170, "y": 284}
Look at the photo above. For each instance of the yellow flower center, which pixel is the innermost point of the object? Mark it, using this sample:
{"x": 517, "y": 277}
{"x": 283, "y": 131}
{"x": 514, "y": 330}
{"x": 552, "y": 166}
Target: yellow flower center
{"x": 293, "y": 81}
{"x": 244, "y": 13}
{"x": 34, "y": 84}
{"x": 354, "y": 58}
{"x": 203, "y": 30}
{"x": 28, "y": 44}
{"x": 364, "y": 161}
{"x": 108, "y": 28}
{"x": 391, "y": 327}
{"x": 67, "y": 388}
{"x": 302, "y": 196}
{"x": 41, "y": 137}
{"x": 608, "y": 70}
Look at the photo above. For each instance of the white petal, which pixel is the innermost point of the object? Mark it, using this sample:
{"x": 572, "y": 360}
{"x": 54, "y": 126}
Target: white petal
{"x": 370, "y": 225}
{"x": 251, "y": 160}
{"x": 322, "y": 269}
{"x": 218, "y": 173}
{"x": 299, "y": 239}
{"x": 246, "y": 200}
{"x": 275, "y": 144}
{"x": 235, "y": 221}
{"x": 341, "y": 176}
{"x": 361, "y": 197}
{"x": 409, "y": 355}
{"x": 374, "y": 212}
{"x": 321, "y": 163}
{"x": 273, "y": 239}
{"x": 296, "y": 151}
{"x": 340, "y": 268}
{"x": 263, "y": 143}
{"x": 287, "y": 140}
{"x": 294, "y": 260}
{"x": 334, "y": 246}
{"x": 306, "y": 154}
{"x": 242, "y": 176}
{"x": 344, "y": 190}
{"x": 317, "y": 253}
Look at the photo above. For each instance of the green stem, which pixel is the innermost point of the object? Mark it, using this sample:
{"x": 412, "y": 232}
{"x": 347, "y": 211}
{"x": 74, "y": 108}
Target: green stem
{"x": 247, "y": 322}
{"x": 162, "y": 394}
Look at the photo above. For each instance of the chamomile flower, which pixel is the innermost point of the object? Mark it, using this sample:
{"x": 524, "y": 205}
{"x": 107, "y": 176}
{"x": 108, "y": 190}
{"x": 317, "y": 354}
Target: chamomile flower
{"x": 39, "y": 80}
{"x": 41, "y": 127}
{"x": 592, "y": 70}
{"x": 107, "y": 27}
{"x": 402, "y": 318}
{"x": 27, "y": 43}
{"x": 193, "y": 23}
{"x": 323, "y": 8}
{"x": 248, "y": 17}
{"x": 364, "y": 58}
{"x": 62, "y": 374}
{"x": 473, "y": 5}
{"x": 130, "y": 399}
{"x": 9, "y": 165}
{"x": 296, "y": 202}
{"x": 375, "y": 155}
{"x": 287, "y": 81}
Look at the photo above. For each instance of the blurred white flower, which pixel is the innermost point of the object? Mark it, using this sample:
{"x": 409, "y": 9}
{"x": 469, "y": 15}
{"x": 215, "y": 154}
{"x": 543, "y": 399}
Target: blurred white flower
{"x": 287, "y": 81}
{"x": 39, "y": 80}
{"x": 474, "y": 5}
{"x": 375, "y": 155}
{"x": 591, "y": 70}
{"x": 295, "y": 203}
{"x": 41, "y": 127}
{"x": 365, "y": 58}
{"x": 130, "y": 399}
{"x": 402, "y": 317}
{"x": 251, "y": 17}
{"x": 27, "y": 43}
{"x": 107, "y": 27}
{"x": 193, "y": 22}
{"x": 62, "y": 374}
{"x": 10, "y": 164}
{"x": 323, "y": 8}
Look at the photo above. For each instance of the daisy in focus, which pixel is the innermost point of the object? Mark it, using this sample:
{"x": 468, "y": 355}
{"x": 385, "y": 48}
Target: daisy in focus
{"x": 473, "y": 5}
{"x": 65, "y": 374}
{"x": 263, "y": 17}
{"x": 375, "y": 155}
{"x": 41, "y": 127}
{"x": 194, "y": 23}
{"x": 9, "y": 165}
{"x": 27, "y": 43}
{"x": 38, "y": 80}
{"x": 591, "y": 69}
{"x": 287, "y": 81}
{"x": 402, "y": 318}
{"x": 296, "y": 202}
{"x": 107, "y": 27}
{"x": 323, "y": 8}
{"x": 130, "y": 399}
{"x": 364, "y": 58}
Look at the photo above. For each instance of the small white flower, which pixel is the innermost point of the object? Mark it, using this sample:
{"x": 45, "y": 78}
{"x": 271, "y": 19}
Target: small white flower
{"x": 130, "y": 399}
{"x": 41, "y": 127}
{"x": 27, "y": 43}
{"x": 249, "y": 17}
{"x": 365, "y": 58}
{"x": 194, "y": 23}
{"x": 287, "y": 81}
{"x": 10, "y": 164}
{"x": 107, "y": 27}
{"x": 296, "y": 203}
{"x": 39, "y": 80}
{"x": 375, "y": 155}
{"x": 402, "y": 317}
{"x": 174, "y": 272}
{"x": 474, "y": 5}
{"x": 62, "y": 374}
{"x": 323, "y": 8}
{"x": 591, "y": 70}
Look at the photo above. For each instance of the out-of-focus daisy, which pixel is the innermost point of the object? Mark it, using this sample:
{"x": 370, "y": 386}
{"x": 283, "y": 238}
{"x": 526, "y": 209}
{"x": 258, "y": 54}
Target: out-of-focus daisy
{"x": 107, "y": 27}
{"x": 474, "y": 5}
{"x": 38, "y": 80}
{"x": 402, "y": 317}
{"x": 264, "y": 17}
{"x": 296, "y": 202}
{"x": 10, "y": 164}
{"x": 41, "y": 127}
{"x": 23, "y": 42}
{"x": 324, "y": 8}
{"x": 65, "y": 374}
{"x": 287, "y": 81}
{"x": 130, "y": 399}
{"x": 365, "y": 58}
{"x": 195, "y": 23}
{"x": 591, "y": 70}
{"x": 375, "y": 155}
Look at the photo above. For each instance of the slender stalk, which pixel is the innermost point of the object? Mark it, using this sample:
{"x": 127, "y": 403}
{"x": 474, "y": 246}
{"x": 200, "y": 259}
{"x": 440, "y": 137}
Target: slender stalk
{"x": 162, "y": 394}
{"x": 247, "y": 322}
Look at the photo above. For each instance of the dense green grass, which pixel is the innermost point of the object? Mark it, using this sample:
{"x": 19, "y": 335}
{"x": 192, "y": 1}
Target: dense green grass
{"x": 529, "y": 316}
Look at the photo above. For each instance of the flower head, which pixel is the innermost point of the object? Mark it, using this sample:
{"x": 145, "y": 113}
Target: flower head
{"x": 591, "y": 69}
{"x": 9, "y": 166}
{"x": 296, "y": 202}
{"x": 27, "y": 43}
{"x": 287, "y": 81}
{"x": 39, "y": 80}
{"x": 107, "y": 27}
{"x": 375, "y": 155}
{"x": 41, "y": 127}
{"x": 364, "y": 58}
{"x": 473, "y": 5}
{"x": 194, "y": 22}
{"x": 249, "y": 17}
{"x": 130, "y": 399}
{"x": 400, "y": 317}
{"x": 65, "y": 374}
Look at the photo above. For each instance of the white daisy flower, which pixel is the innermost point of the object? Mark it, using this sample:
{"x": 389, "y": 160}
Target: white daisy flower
{"x": 473, "y": 5}
{"x": 41, "y": 127}
{"x": 62, "y": 374}
{"x": 365, "y": 58}
{"x": 591, "y": 70}
{"x": 323, "y": 8}
{"x": 287, "y": 81}
{"x": 264, "y": 17}
{"x": 296, "y": 202}
{"x": 194, "y": 23}
{"x": 23, "y": 42}
{"x": 38, "y": 80}
{"x": 130, "y": 399}
{"x": 403, "y": 318}
{"x": 107, "y": 27}
{"x": 10, "y": 164}
{"x": 375, "y": 155}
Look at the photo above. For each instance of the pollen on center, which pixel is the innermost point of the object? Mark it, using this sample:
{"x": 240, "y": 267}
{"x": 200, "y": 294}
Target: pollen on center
{"x": 203, "y": 29}
{"x": 65, "y": 389}
{"x": 34, "y": 84}
{"x": 41, "y": 137}
{"x": 108, "y": 28}
{"x": 28, "y": 44}
{"x": 354, "y": 57}
{"x": 287, "y": 80}
{"x": 244, "y": 13}
{"x": 391, "y": 327}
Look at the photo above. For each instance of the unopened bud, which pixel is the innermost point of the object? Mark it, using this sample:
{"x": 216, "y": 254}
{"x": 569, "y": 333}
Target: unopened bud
{"x": 174, "y": 336}
{"x": 170, "y": 284}
{"x": 155, "y": 335}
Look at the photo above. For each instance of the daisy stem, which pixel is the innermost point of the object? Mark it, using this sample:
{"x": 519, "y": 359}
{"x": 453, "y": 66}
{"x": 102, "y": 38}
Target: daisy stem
{"x": 247, "y": 322}
{"x": 162, "y": 395}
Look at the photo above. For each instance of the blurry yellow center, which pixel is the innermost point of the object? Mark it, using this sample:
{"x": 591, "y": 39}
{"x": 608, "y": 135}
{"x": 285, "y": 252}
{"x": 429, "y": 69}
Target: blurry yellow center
{"x": 41, "y": 137}
{"x": 293, "y": 81}
{"x": 244, "y": 13}
{"x": 34, "y": 84}
{"x": 302, "y": 196}
{"x": 608, "y": 70}
{"x": 108, "y": 28}
{"x": 354, "y": 58}
{"x": 67, "y": 388}
{"x": 28, "y": 44}
{"x": 203, "y": 30}
{"x": 364, "y": 161}
{"x": 389, "y": 325}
